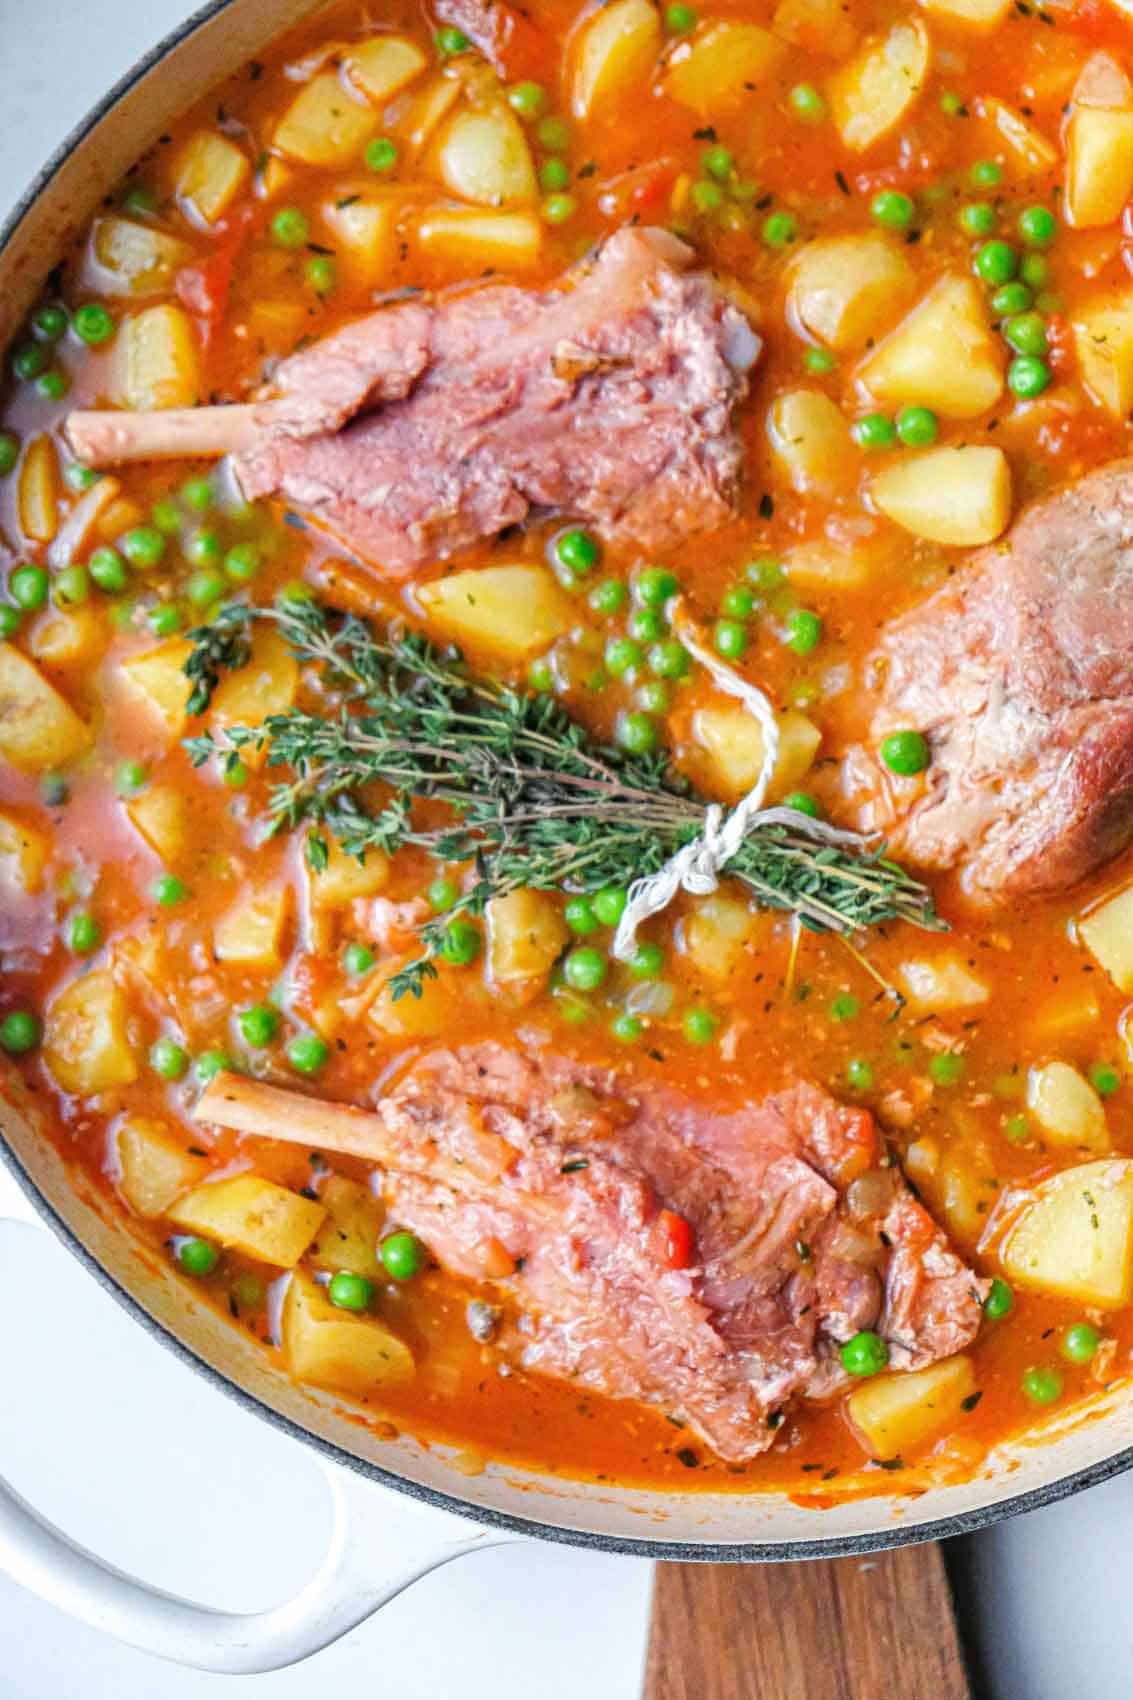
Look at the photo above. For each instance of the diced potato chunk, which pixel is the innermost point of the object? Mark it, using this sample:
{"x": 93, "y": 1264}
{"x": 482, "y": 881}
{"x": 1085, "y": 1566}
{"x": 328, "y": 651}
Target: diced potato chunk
{"x": 254, "y": 1216}
{"x": 526, "y": 932}
{"x": 87, "y": 1044}
{"x": 812, "y": 442}
{"x": 39, "y": 490}
{"x": 1024, "y": 150}
{"x": 939, "y": 984}
{"x": 155, "y": 1166}
{"x": 619, "y": 49}
{"x": 161, "y": 815}
{"x": 209, "y": 172}
{"x": 982, "y": 15}
{"x": 157, "y": 360}
{"x": 24, "y": 851}
{"x": 160, "y": 675}
{"x": 845, "y": 562}
{"x": 333, "y": 1349}
{"x": 1066, "y": 1107}
{"x": 482, "y": 155}
{"x": 721, "y": 66}
{"x": 871, "y": 94}
{"x": 1107, "y": 933}
{"x": 135, "y": 259}
{"x": 942, "y": 355}
{"x": 364, "y": 227}
{"x": 894, "y": 1414}
{"x": 267, "y": 684}
{"x": 510, "y": 612}
{"x": 383, "y": 66}
{"x": 1099, "y": 144}
{"x": 430, "y": 109}
{"x": 715, "y": 936}
{"x": 733, "y": 739}
{"x": 817, "y": 26}
{"x": 846, "y": 289}
{"x": 38, "y": 728}
{"x": 250, "y": 934}
{"x": 464, "y": 238}
{"x": 1075, "y": 1239}
{"x": 452, "y": 992}
{"x": 345, "y": 877}
{"x": 348, "y": 1239}
{"x": 1103, "y": 341}
{"x": 78, "y": 634}
{"x": 956, "y": 495}
{"x": 324, "y": 125}
{"x": 1064, "y": 1015}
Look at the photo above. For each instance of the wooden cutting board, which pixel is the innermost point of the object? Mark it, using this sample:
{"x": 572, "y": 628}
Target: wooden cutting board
{"x": 875, "y": 1628}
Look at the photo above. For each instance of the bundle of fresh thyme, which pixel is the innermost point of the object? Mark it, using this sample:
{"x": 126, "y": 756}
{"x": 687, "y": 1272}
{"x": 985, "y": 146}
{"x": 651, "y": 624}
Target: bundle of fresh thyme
{"x": 531, "y": 799}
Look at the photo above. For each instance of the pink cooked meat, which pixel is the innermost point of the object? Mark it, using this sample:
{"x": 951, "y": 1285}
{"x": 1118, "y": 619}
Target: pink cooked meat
{"x": 424, "y": 427}
{"x": 1020, "y": 674}
{"x": 800, "y": 1237}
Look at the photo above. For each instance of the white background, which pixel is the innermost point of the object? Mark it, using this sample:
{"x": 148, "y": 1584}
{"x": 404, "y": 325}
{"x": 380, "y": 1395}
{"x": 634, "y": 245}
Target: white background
{"x": 135, "y": 1456}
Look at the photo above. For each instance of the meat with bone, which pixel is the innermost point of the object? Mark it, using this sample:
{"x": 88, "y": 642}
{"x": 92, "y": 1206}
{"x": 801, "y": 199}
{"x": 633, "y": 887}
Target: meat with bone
{"x": 1019, "y": 673}
{"x": 426, "y": 426}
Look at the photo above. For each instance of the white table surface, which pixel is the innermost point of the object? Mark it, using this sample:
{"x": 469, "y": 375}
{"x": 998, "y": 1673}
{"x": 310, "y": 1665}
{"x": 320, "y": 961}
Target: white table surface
{"x": 138, "y": 1458}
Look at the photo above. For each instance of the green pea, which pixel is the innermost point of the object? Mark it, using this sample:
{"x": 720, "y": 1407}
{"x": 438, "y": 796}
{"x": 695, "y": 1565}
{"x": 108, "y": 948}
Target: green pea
{"x": 1028, "y": 376}
{"x": 1042, "y": 1385}
{"x": 655, "y": 585}
{"x": 49, "y": 324}
{"x": 72, "y": 585}
{"x": 1026, "y": 333}
{"x": 54, "y": 790}
{"x": 461, "y": 943}
{"x": 609, "y": 596}
{"x": 717, "y": 162}
{"x": 559, "y": 209}
{"x": 196, "y": 1256}
{"x": 699, "y": 1026}
{"x": 205, "y": 586}
{"x": 609, "y": 904}
{"x": 9, "y": 452}
{"x": 234, "y": 772}
{"x": 554, "y": 174}
{"x": 737, "y": 602}
{"x": 819, "y": 361}
{"x": 806, "y": 103}
{"x": 165, "y": 620}
{"x": 528, "y": 100}
{"x": 76, "y": 476}
{"x": 1080, "y": 1342}
{"x": 1104, "y": 1079}
{"x": 627, "y": 1028}
{"x": 541, "y": 676}
{"x": 349, "y": 1291}
{"x": 28, "y": 587}
{"x": 381, "y": 154}
{"x": 845, "y": 1007}
{"x": 108, "y": 570}
{"x": 977, "y": 219}
{"x": 579, "y": 916}
{"x": 951, "y": 104}
{"x": 679, "y": 19}
{"x": 669, "y": 659}
{"x": 585, "y": 968}
{"x": 197, "y": 493}
{"x": 892, "y": 209}
{"x": 168, "y": 1058}
{"x": 321, "y": 272}
{"x": 258, "y": 1024}
{"x": 92, "y": 324}
{"x": 84, "y": 934}
{"x": 143, "y": 547}
{"x": 165, "y": 517}
{"x": 20, "y": 1031}
{"x": 637, "y": 734}
{"x": 209, "y": 1064}
{"x": 442, "y": 893}
{"x": 1035, "y": 271}
{"x": 1037, "y": 226}
{"x": 579, "y": 551}
{"x": 654, "y": 696}
{"x": 802, "y": 803}
{"x": 780, "y": 230}
{"x": 450, "y": 40}
{"x": 1013, "y": 298}
{"x": 946, "y": 1068}
{"x": 996, "y": 263}
{"x": 1000, "y": 1300}
{"x": 10, "y": 621}
{"x": 358, "y": 959}
{"x": 905, "y": 753}
{"x": 28, "y": 361}
{"x": 307, "y": 1053}
{"x": 622, "y": 654}
{"x": 290, "y": 228}
{"x": 916, "y": 426}
{"x": 804, "y": 631}
{"x": 864, "y": 1354}
{"x": 167, "y": 890}
{"x": 553, "y": 134}
{"x": 242, "y": 562}
{"x": 1017, "y": 1128}
{"x": 139, "y": 200}
{"x": 204, "y": 548}
{"x": 402, "y": 1255}
{"x": 130, "y": 778}
{"x": 248, "y": 1292}
{"x": 52, "y": 386}
{"x": 859, "y": 1074}
{"x": 707, "y": 197}
{"x": 986, "y": 173}
{"x": 647, "y": 961}
{"x": 874, "y": 431}
{"x": 646, "y": 625}
{"x": 729, "y": 638}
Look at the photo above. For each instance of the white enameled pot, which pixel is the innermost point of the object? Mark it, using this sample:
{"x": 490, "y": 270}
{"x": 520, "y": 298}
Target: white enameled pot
{"x": 438, "y": 1513}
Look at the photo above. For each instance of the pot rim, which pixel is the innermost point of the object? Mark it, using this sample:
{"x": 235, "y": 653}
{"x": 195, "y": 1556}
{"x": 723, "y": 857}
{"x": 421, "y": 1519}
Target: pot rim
{"x": 695, "y": 1552}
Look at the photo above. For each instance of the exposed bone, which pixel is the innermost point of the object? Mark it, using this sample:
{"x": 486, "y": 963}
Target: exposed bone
{"x": 251, "y": 1106}
{"x": 106, "y": 437}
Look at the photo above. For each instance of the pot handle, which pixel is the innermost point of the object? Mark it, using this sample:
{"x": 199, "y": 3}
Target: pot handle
{"x": 379, "y": 1544}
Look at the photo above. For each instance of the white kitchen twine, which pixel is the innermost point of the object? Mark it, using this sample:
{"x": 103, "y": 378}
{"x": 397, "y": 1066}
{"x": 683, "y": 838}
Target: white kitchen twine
{"x": 695, "y": 868}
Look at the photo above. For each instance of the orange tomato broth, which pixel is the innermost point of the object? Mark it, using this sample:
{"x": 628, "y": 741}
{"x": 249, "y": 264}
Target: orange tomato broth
{"x": 777, "y": 1014}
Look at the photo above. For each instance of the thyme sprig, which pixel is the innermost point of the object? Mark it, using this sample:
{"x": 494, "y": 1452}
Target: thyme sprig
{"x": 530, "y": 798}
